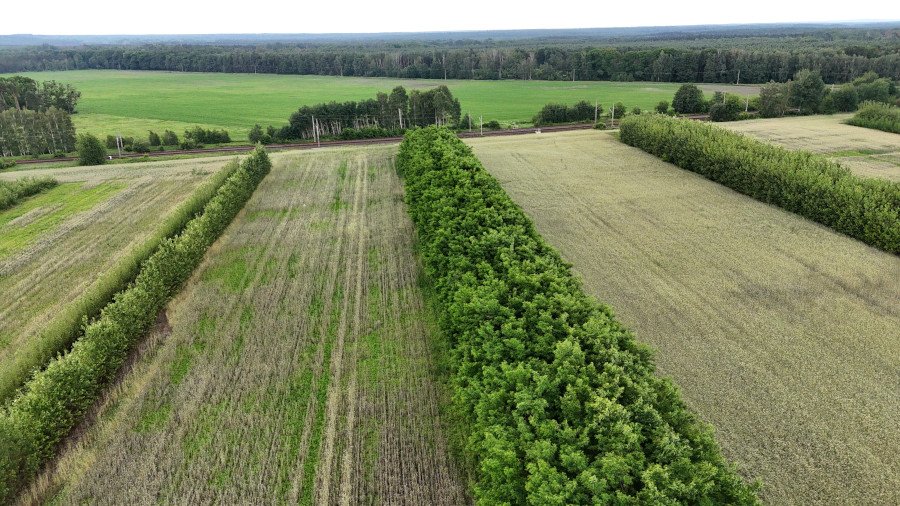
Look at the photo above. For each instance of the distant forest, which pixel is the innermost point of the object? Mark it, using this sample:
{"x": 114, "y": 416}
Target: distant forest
{"x": 708, "y": 54}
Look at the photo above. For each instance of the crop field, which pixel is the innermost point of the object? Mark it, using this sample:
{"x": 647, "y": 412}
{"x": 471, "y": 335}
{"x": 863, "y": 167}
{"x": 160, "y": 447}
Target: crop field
{"x": 132, "y": 102}
{"x": 867, "y": 152}
{"x": 295, "y": 367}
{"x": 778, "y": 331}
{"x": 53, "y": 245}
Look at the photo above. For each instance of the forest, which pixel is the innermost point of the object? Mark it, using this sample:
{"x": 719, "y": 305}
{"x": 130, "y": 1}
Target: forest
{"x": 757, "y": 57}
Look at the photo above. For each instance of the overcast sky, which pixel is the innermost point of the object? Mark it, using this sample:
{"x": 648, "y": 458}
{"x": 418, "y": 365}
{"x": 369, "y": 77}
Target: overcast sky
{"x": 103, "y": 17}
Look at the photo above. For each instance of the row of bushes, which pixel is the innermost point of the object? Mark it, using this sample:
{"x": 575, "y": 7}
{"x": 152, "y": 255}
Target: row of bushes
{"x": 879, "y": 116}
{"x": 66, "y": 325}
{"x": 807, "y": 184}
{"x": 560, "y": 404}
{"x": 11, "y": 192}
{"x": 55, "y": 399}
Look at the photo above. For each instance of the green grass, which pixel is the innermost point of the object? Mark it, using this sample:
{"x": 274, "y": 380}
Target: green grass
{"x": 132, "y": 102}
{"x": 51, "y": 209}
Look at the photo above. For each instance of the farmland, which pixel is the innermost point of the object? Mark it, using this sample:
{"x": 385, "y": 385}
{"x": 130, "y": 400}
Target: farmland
{"x": 296, "y": 366}
{"x": 867, "y": 152}
{"x": 778, "y": 331}
{"x": 132, "y": 102}
{"x": 61, "y": 244}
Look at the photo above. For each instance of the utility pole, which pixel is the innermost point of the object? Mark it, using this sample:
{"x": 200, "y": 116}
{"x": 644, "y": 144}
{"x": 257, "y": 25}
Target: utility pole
{"x": 318, "y": 135}
{"x": 739, "y": 77}
{"x": 612, "y": 112}
{"x": 470, "y": 122}
{"x": 747, "y": 103}
{"x": 312, "y": 120}
{"x": 595, "y": 112}
{"x": 481, "y": 122}
{"x": 119, "y": 144}
{"x": 400, "y": 113}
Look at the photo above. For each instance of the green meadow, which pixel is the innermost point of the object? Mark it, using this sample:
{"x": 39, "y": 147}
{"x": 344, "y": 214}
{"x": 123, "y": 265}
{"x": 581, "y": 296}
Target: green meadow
{"x": 131, "y": 102}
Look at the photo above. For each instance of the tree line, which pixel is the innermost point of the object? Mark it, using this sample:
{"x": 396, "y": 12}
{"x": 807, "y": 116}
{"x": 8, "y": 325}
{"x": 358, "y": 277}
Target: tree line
{"x": 20, "y": 92}
{"x": 557, "y": 403}
{"x": 34, "y": 116}
{"x": 800, "y": 182}
{"x": 386, "y": 114}
{"x": 755, "y": 62}
{"x": 55, "y": 398}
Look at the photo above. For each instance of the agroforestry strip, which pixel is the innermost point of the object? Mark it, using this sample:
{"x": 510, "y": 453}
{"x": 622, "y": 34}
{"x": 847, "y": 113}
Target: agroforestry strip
{"x": 879, "y": 116}
{"x": 562, "y": 406}
{"x": 801, "y": 182}
{"x": 66, "y": 325}
{"x": 11, "y": 193}
{"x": 55, "y": 399}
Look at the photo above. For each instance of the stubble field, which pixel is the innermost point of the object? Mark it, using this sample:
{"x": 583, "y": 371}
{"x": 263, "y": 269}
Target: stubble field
{"x": 867, "y": 152}
{"x": 780, "y": 332}
{"x": 296, "y": 366}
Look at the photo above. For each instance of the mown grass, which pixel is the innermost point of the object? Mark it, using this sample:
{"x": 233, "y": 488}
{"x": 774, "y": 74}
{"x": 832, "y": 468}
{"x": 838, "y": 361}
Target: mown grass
{"x": 51, "y": 209}
{"x": 132, "y": 102}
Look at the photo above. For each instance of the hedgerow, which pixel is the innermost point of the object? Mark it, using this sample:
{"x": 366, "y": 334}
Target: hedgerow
{"x": 66, "y": 324}
{"x": 12, "y": 192}
{"x": 562, "y": 405}
{"x": 53, "y": 401}
{"x": 877, "y": 115}
{"x": 801, "y": 182}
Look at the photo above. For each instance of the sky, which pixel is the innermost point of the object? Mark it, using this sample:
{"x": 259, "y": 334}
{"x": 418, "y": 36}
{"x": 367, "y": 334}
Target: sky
{"x": 104, "y": 17}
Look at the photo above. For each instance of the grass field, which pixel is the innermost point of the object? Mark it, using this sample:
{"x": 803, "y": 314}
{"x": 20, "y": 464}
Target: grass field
{"x": 867, "y": 152}
{"x": 55, "y": 246}
{"x": 781, "y": 333}
{"x": 132, "y": 102}
{"x": 295, "y": 367}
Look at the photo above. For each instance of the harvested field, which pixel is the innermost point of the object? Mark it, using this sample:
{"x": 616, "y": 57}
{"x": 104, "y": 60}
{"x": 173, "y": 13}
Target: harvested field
{"x": 867, "y": 152}
{"x": 54, "y": 246}
{"x": 295, "y": 367}
{"x": 780, "y": 332}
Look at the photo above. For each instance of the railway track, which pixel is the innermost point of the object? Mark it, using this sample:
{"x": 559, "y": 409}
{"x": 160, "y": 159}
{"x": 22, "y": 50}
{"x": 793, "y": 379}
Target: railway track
{"x": 313, "y": 145}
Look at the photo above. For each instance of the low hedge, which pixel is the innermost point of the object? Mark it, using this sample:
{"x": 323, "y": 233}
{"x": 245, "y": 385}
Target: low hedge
{"x": 58, "y": 335}
{"x": 877, "y": 115}
{"x": 12, "y": 192}
{"x": 55, "y": 399}
{"x": 561, "y": 405}
{"x": 801, "y": 182}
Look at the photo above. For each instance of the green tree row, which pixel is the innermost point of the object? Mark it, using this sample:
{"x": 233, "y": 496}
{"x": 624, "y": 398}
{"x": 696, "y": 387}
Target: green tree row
{"x": 559, "y": 403}
{"x": 754, "y": 60}
{"x": 66, "y": 324}
{"x": 27, "y": 132}
{"x": 20, "y": 92}
{"x": 879, "y": 116}
{"x": 801, "y": 182}
{"x": 12, "y": 192}
{"x": 55, "y": 399}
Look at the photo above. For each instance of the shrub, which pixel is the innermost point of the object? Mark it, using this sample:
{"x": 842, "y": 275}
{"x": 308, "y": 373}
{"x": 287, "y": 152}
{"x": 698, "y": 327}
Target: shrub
{"x": 662, "y": 107}
{"x": 140, "y": 146}
{"x": 842, "y": 99}
{"x": 90, "y": 150}
{"x": 878, "y": 116}
{"x": 558, "y": 402}
{"x": 559, "y": 113}
{"x": 618, "y": 110}
{"x": 493, "y": 125}
{"x": 636, "y": 111}
{"x": 200, "y": 135}
{"x": 688, "y": 100}
{"x": 52, "y": 402}
{"x": 169, "y": 138}
{"x": 153, "y": 139}
{"x": 255, "y": 134}
{"x": 728, "y": 110}
{"x": 7, "y": 164}
{"x": 12, "y": 192}
{"x": 809, "y": 185}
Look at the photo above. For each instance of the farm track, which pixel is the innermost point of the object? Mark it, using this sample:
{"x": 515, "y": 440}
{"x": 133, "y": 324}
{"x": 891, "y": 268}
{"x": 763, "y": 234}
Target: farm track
{"x": 298, "y": 365}
{"x": 780, "y": 332}
{"x": 312, "y": 145}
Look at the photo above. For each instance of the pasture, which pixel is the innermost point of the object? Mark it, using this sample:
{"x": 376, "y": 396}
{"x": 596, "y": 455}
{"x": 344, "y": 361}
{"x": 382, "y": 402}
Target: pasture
{"x": 59, "y": 245}
{"x": 296, "y": 365}
{"x": 778, "y": 331}
{"x": 867, "y": 152}
{"x": 132, "y": 102}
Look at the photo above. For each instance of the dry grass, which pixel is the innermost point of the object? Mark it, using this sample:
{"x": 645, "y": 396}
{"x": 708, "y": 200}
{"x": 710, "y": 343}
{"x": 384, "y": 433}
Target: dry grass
{"x": 867, "y": 152}
{"x": 781, "y": 333}
{"x": 62, "y": 240}
{"x": 294, "y": 368}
